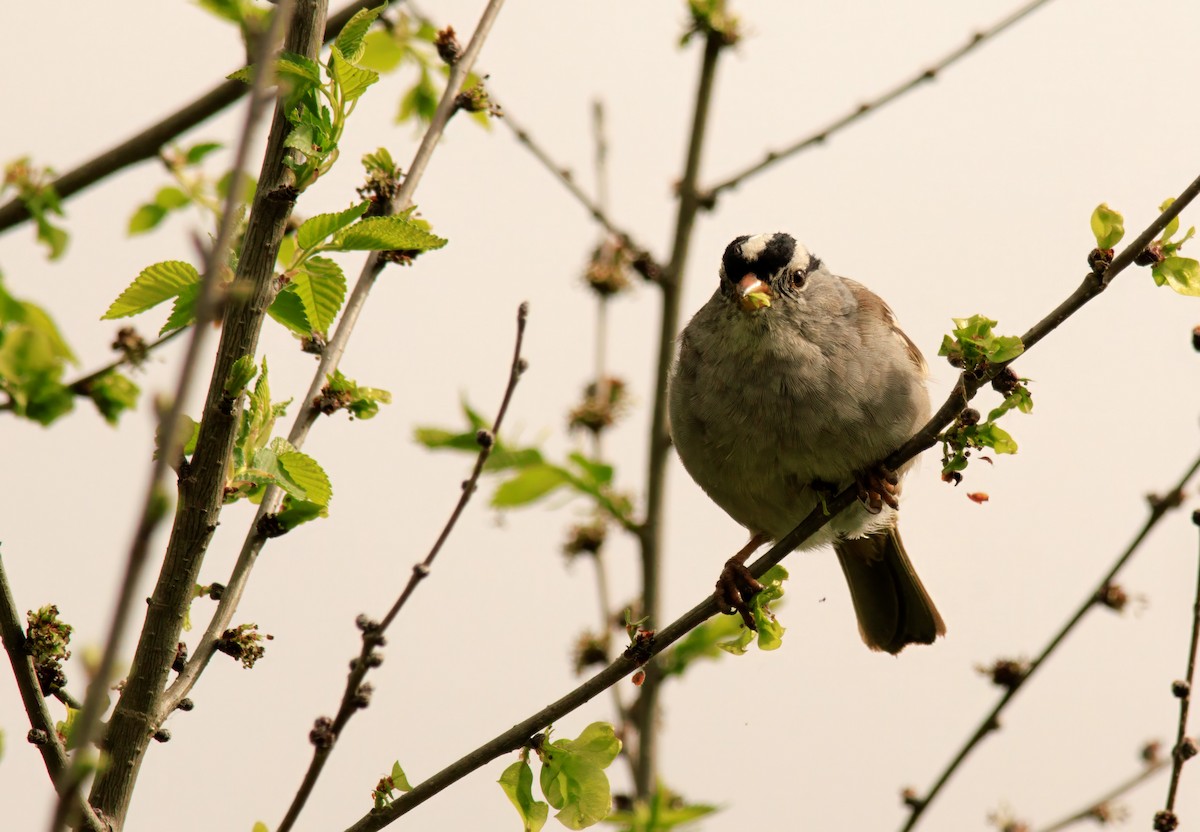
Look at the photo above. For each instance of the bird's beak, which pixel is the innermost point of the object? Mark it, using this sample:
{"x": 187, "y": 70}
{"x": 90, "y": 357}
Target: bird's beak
{"x": 753, "y": 294}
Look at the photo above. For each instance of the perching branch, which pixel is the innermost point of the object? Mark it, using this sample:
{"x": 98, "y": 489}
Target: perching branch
{"x": 356, "y": 695}
{"x": 518, "y": 735}
{"x": 821, "y": 135}
{"x": 148, "y": 143}
{"x": 330, "y": 356}
{"x": 201, "y": 482}
{"x": 1184, "y": 748}
{"x": 42, "y": 732}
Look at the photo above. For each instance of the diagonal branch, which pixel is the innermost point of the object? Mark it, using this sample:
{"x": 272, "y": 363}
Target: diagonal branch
{"x": 42, "y": 732}
{"x": 330, "y": 356}
{"x": 518, "y": 735}
{"x": 1102, "y": 807}
{"x": 820, "y": 136}
{"x": 356, "y": 694}
{"x": 148, "y": 143}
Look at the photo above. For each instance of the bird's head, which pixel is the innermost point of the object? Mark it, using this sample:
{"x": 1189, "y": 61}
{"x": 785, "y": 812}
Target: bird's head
{"x": 757, "y": 271}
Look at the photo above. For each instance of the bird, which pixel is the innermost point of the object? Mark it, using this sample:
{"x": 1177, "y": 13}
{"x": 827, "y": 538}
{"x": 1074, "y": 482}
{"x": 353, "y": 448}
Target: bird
{"x": 792, "y": 383}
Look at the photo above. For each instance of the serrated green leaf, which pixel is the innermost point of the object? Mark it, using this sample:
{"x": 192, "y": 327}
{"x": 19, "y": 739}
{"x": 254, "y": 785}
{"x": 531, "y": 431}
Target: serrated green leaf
{"x": 386, "y": 234}
{"x": 196, "y": 153}
{"x": 350, "y": 40}
{"x": 517, "y": 783}
{"x": 352, "y": 80}
{"x": 152, "y": 286}
{"x": 315, "y": 229}
{"x": 321, "y": 287}
{"x": 297, "y": 67}
{"x": 1180, "y": 273}
{"x": 288, "y": 309}
{"x": 1108, "y": 226}
{"x": 530, "y": 484}
{"x": 303, "y": 470}
{"x": 146, "y": 218}
{"x": 381, "y": 51}
{"x": 183, "y": 311}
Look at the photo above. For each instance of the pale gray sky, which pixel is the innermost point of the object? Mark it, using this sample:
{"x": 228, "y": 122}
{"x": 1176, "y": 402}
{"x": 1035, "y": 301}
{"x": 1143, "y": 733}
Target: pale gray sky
{"x": 971, "y": 195}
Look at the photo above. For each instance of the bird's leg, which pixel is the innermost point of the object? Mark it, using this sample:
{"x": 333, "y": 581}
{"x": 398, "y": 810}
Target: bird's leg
{"x": 876, "y": 486}
{"x": 736, "y": 586}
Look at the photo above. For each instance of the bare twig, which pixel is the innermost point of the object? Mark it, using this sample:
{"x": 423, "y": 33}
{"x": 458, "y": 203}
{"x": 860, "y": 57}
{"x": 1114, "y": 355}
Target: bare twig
{"x": 330, "y": 356}
{"x": 1184, "y": 748}
{"x": 355, "y": 695}
{"x": 660, "y": 439}
{"x": 148, "y": 143}
{"x": 1096, "y": 809}
{"x": 42, "y": 731}
{"x": 200, "y": 487}
{"x": 821, "y": 135}
{"x": 518, "y": 735}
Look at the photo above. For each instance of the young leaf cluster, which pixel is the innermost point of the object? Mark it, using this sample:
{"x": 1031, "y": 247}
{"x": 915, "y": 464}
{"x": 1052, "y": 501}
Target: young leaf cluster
{"x": 663, "y": 812}
{"x": 388, "y": 787}
{"x": 571, "y": 779}
{"x": 1167, "y": 267}
{"x": 319, "y": 97}
{"x": 341, "y": 393}
{"x": 40, "y": 200}
{"x": 530, "y": 476}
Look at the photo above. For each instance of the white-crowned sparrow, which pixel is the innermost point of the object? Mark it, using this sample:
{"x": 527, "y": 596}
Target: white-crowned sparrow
{"x": 792, "y": 381}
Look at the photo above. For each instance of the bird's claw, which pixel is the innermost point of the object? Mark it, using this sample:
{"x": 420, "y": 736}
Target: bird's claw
{"x": 735, "y": 588}
{"x": 878, "y": 486}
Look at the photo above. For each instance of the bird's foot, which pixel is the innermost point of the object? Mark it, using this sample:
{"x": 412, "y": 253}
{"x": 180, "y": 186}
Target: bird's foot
{"x": 878, "y": 486}
{"x": 736, "y": 586}
{"x": 823, "y": 491}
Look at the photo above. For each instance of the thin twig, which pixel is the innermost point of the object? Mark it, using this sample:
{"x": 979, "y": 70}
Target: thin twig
{"x": 660, "y": 439}
{"x": 1095, "y": 809}
{"x": 42, "y": 731}
{"x": 330, "y": 357}
{"x": 201, "y": 486}
{"x": 1159, "y": 508}
{"x": 1184, "y": 748}
{"x": 148, "y": 143}
{"x": 355, "y": 696}
{"x": 821, "y": 135}
{"x": 518, "y": 735}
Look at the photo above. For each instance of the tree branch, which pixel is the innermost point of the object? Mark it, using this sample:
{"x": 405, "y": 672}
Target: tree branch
{"x": 660, "y": 438}
{"x": 330, "y": 356}
{"x": 201, "y": 483}
{"x": 1184, "y": 748}
{"x": 1095, "y": 809}
{"x": 148, "y": 143}
{"x": 42, "y": 731}
{"x": 518, "y": 735}
{"x": 355, "y": 695}
{"x": 821, "y": 135}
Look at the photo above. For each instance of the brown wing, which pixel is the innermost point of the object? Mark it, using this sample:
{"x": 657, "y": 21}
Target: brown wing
{"x": 873, "y": 307}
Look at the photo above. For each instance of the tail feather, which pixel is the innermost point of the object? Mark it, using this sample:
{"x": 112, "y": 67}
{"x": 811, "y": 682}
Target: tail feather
{"x": 891, "y": 604}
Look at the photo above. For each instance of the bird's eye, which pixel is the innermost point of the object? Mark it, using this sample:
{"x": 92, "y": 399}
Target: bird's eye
{"x": 798, "y": 278}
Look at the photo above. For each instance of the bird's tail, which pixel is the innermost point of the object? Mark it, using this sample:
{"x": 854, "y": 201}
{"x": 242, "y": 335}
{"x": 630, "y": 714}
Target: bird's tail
{"x": 892, "y": 606}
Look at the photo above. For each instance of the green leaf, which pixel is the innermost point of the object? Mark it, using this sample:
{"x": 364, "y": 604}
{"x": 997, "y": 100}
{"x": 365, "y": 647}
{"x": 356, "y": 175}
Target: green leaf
{"x": 386, "y": 234}
{"x": 304, "y": 471}
{"x": 441, "y": 438}
{"x": 259, "y": 826}
{"x": 704, "y": 642}
{"x": 350, "y": 40}
{"x": 152, "y": 286}
{"x": 294, "y": 512}
{"x": 195, "y": 154}
{"x": 399, "y": 778}
{"x": 37, "y": 319}
{"x": 352, "y": 80}
{"x": 240, "y": 374}
{"x": 421, "y": 101}
{"x": 381, "y": 52}
{"x": 146, "y": 218}
{"x": 503, "y": 458}
{"x": 1004, "y": 348}
{"x": 1108, "y": 226}
{"x": 597, "y": 744}
{"x": 517, "y": 783}
{"x": 288, "y": 309}
{"x": 298, "y": 68}
{"x": 171, "y": 198}
{"x": 113, "y": 394}
{"x": 530, "y": 484}
{"x": 572, "y": 776}
{"x": 321, "y": 287}
{"x": 996, "y": 438}
{"x": 183, "y": 312}
{"x": 1180, "y": 273}
{"x": 598, "y": 472}
{"x": 315, "y": 229}
{"x": 770, "y": 631}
